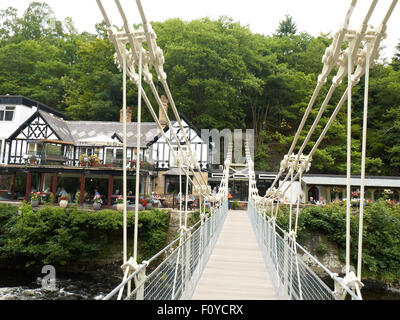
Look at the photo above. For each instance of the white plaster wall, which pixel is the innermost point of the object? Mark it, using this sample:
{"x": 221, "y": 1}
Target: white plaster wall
{"x": 292, "y": 193}
{"x": 7, "y": 128}
{"x": 21, "y": 114}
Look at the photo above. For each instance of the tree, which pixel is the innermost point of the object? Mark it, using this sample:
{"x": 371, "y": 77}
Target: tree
{"x": 287, "y": 27}
{"x": 396, "y": 58}
{"x": 221, "y": 76}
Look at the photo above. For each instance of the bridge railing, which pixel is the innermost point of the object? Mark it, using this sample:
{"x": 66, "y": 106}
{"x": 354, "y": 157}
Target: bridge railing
{"x": 176, "y": 277}
{"x": 292, "y": 277}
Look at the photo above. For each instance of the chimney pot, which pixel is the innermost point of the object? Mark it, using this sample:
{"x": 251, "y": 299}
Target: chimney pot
{"x": 128, "y": 115}
{"x": 161, "y": 116}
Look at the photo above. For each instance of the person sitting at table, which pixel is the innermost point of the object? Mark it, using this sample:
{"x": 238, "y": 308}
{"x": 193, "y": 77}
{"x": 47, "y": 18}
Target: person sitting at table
{"x": 207, "y": 205}
{"x": 191, "y": 200}
{"x": 63, "y": 193}
{"x": 155, "y": 201}
{"x": 96, "y": 193}
{"x": 116, "y": 193}
{"x": 45, "y": 194}
{"x": 180, "y": 198}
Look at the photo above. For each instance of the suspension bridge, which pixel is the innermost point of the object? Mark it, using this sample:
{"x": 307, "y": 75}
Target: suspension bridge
{"x": 208, "y": 260}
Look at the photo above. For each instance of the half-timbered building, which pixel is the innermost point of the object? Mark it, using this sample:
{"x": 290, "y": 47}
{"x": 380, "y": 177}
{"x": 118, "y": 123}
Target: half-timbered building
{"x": 46, "y": 153}
{"x": 168, "y": 173}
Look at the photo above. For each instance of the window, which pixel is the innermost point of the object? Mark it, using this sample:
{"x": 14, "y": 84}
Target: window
{"x": 119, "y": 154}
{"x": 87, "y": 151}
{"x": 176, "y": 151}
{"x": 7, "y": 113}
{"x": 35, "y": 149}
{"x": 115, "y": 154}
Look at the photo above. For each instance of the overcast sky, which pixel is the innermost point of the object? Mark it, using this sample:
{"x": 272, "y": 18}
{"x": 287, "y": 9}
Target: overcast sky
{"x": 262, "y": 16}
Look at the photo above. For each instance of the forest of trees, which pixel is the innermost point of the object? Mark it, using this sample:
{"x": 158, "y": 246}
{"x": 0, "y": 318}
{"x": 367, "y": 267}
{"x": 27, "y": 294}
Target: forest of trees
{"x": 221, "y": 75}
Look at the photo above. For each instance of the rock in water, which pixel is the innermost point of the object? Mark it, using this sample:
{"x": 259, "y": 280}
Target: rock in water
{"x": 29, "y": 293}
{"x": 9, "y": 297}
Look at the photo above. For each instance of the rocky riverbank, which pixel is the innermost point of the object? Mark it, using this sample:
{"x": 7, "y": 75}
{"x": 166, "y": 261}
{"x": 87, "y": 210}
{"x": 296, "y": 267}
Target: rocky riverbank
{"x": 328, "y": 254}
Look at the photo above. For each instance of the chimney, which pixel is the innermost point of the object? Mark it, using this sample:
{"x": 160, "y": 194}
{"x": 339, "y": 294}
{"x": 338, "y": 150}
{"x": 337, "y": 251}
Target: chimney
{"x": 161, "y": 116}
{"x": 128, "y": 115}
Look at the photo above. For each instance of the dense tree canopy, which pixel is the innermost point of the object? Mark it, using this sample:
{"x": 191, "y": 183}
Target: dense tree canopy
{"x": 221, "y": 75}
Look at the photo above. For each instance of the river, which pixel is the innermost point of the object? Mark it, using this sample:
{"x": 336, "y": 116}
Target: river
{"x": 21, "y": 286}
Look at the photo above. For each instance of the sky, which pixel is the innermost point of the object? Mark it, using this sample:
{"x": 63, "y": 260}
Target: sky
{"x": 262, "y": 16}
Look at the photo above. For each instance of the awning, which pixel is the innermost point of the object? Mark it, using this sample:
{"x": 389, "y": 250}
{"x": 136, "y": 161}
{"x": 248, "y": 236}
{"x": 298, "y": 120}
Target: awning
{"x": 383, "y": 182}
{"x": 100, "y": 140}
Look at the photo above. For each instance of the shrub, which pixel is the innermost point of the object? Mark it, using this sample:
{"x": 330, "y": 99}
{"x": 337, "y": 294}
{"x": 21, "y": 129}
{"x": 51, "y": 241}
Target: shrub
{"x": 381, "y": 236}
{"x": 322, "y": 248}
{"x": 235, "y": 205}
{"x": 58, "y": 236}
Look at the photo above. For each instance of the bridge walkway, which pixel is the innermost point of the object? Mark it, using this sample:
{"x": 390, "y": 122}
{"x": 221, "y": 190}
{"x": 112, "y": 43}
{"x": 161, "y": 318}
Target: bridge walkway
{"x": 236, "y": 269}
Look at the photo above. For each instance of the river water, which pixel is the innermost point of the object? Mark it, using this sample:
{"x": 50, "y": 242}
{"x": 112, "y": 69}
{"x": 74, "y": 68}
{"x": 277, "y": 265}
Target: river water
{"x": 20, "y": 286}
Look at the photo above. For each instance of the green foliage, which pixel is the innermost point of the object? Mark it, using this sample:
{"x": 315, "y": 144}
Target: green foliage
{"x": 322, "y": 248}
{"x": 286, "y": 27}
{"x": 53, "y": 235}
{"x": 381, "y": 236}
{"x": 235, "y": 205}
{"x": 221, "y": 75}
{"x": 153, "y": 228}
{"x": 195, "y": 217}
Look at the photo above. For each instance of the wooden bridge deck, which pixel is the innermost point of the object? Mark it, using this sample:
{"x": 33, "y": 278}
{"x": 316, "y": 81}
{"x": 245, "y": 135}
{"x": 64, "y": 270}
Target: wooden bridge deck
{"x": 236, "y": 269}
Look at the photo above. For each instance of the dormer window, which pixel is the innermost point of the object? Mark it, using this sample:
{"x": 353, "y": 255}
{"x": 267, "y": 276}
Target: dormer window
{"x": 7, "y": 113}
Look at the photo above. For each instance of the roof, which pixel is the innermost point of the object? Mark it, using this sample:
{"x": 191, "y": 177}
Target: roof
{"x": 86, "y": 133}
{"x": 173, "y": 122}
{"x": 85, "y": 130}
{"x": 21, "y": 100}
{"x": 336, "y": 180}
{"x": 59, "y": 125}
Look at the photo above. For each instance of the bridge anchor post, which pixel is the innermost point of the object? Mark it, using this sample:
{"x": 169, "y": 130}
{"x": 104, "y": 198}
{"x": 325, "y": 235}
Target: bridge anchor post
{"x": 129, "y": 268}
{"x": 351, "y": 281}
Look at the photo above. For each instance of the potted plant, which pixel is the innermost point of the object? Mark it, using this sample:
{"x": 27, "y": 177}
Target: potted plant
{"x": 32, "y": 160}
{"x": 149, "y": 204}
{"x": 120, "y": 204}
{"x": 355, "y": 194}
{"x": 132, "y": 163}
{"x": 335, "y": 190}
{"x": 63, "y": 202}
{"x": 94, "y": 160}
{"x": 97, "y": 202}
{"x": 387, "y": 194}
{"x": 83, "y": 159}
{"x": 35, "y": 199}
